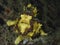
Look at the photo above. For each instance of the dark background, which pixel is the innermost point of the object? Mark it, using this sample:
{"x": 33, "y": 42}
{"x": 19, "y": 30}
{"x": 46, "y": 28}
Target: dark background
{"x": 48, "y": 14}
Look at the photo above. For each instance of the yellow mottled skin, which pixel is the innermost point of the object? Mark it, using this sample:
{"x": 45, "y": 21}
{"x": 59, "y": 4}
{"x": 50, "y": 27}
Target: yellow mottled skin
{"x": 29, "y": 5}
{"x": 24, "y": 23}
